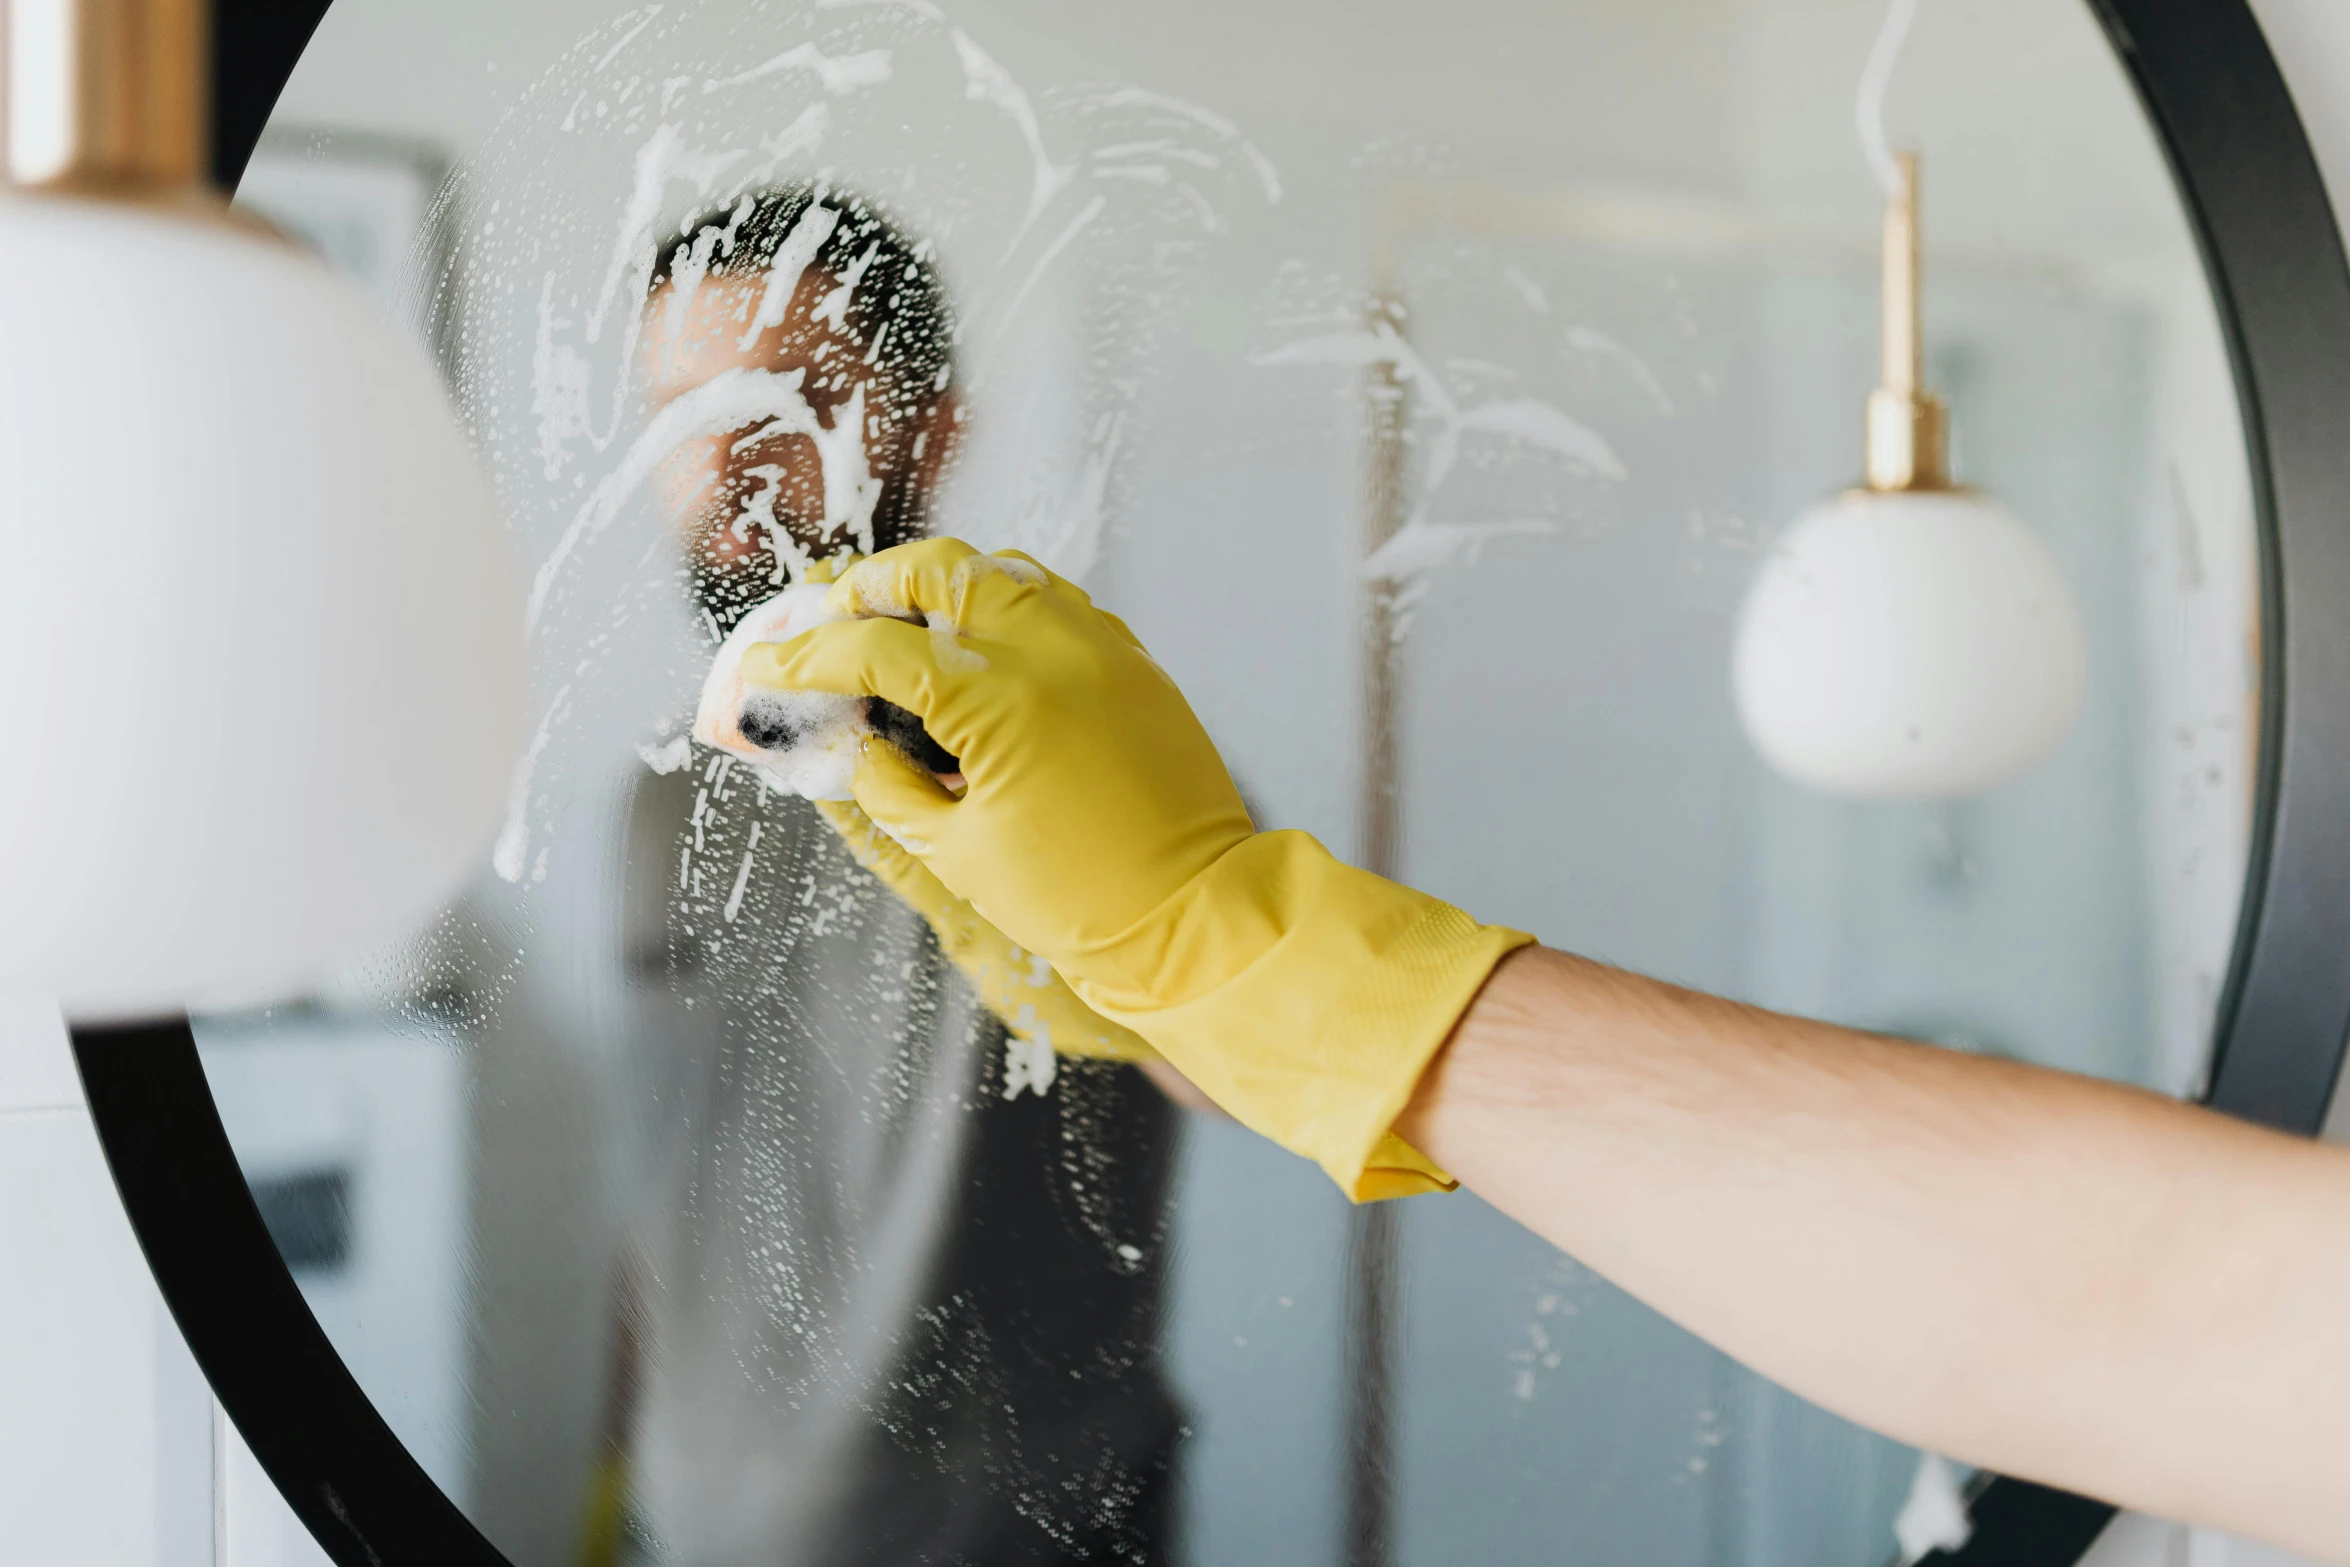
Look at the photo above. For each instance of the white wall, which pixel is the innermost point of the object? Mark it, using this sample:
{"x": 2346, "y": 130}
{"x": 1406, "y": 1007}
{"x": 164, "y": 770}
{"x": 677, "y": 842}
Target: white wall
{"x": 112, "y": 1450}
{"x": 105, "y": 1423}
{"x": 96, "y": 1436}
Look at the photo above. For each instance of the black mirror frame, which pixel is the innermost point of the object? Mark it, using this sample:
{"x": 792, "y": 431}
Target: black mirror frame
{"x": 2273, "y": 256}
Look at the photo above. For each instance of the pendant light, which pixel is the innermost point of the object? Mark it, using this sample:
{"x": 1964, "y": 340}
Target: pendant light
{"x": 1909, "y": 639}
{"x": 261, "y": 661}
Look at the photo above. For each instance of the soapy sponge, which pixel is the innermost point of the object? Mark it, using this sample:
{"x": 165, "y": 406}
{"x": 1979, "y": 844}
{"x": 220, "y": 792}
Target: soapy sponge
{"x": 803, "y": 742}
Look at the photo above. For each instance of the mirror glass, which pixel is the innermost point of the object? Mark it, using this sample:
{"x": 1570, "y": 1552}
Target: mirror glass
{"x": 1425, "y": 385}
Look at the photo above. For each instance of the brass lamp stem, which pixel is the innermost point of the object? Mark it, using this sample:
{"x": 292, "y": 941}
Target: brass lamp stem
{"x": 1908, "y": 428}
{"x": 105, "y": 97}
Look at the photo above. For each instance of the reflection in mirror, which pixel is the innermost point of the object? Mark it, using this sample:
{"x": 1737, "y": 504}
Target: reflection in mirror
{"x": 1425, "y": 388}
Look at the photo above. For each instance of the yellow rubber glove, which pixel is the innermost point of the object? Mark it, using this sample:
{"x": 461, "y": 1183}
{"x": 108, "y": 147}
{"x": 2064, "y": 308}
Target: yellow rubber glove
{"x": 1035, "y": 1004}
{"x": 1019, "y": 987}
{"x": 1100, "y": 829}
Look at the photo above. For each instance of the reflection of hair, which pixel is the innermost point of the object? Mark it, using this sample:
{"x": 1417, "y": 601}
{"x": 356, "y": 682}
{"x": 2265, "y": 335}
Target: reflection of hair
{"x": 897, "y": 312}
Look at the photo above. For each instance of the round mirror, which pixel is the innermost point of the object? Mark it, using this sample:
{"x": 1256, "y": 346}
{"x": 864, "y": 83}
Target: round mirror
{"x": 1426, "y": 387}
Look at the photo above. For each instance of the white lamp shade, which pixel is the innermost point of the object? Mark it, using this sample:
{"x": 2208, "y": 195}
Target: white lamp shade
{"x": 1908, "y": 646}
{"x": 261, "y": 660}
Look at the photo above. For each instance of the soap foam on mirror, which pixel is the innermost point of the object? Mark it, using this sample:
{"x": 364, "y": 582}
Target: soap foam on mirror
{"x": 802, "y": 742}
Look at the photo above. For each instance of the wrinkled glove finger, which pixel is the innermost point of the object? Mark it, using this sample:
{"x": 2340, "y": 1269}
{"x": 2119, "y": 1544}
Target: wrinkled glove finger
{"x": 1127, "y": 632}
{"x": 904, "y": 800}
{"x": 945, "y": 584}
{"x": 1033, "y": 1001}
{"x": 885, "y": 658}
{"x": 883, "y": 855}
{"x": 914, "y": 580}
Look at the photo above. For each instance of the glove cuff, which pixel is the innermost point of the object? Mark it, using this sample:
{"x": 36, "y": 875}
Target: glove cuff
{"x": 1306, "y": 997}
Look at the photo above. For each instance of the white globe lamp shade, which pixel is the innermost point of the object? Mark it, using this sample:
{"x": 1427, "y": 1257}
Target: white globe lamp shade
{"x": 1908, "y": 646}
{"x": 261, "y": 660}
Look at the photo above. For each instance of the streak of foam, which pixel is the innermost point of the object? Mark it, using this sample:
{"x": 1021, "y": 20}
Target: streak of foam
{"x": 921, "y": 8}
{"x": 1075, "y": 545}
{"x": 1201, "y": 207}
{"x": 644, "y": 19}
{"x": 1420, "y": 543}
{"x": 1052, "y": 252}
{"x": 1268, "y": 177}
{"x": 1163, "y": 147}
{"x": 784, "y": 272}
{"x": 1540, "y": 424}
{"x": 802, "y": 136}
{"x": 559, "y": 379}
{"x": 792, "y": 559}
{"x": 662, "y": 159}
{"x": 984, "y": 81}
{"x": 725, "y": 403}
{"x": 742, "y": 877}
{"x": 1589, "y": 340}
{"x": 512, "y": 850}
{"x": 691, "y": 264}
{"x": 833, "y": 308}
{"x": 850, "y": 489}
{"x": 838, "y": 73}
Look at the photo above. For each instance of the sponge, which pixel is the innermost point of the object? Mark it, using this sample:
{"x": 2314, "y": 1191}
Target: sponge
{"x": 802, "y": 742}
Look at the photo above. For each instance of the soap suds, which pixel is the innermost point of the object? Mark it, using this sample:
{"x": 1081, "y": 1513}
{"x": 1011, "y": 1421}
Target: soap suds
{"x": 1590, "y": 340}
{"x": 662, "y": 159}
{"x": 787, "y": 267}
{"x": 1268, "y": 177}
{"x": 1029, "y": 1062}
{"x": 643, "y": 19}
{"x": 559, "y": 382}
{"x": 742, "y": 876}
{"x": 667, "y": 757}
{"x": 1538, "y": 423}
{"x": 1934, "y": 1518}
{"x": 802, "y": 742}
{"x": 690, "y": 264}
{"x": 922, "y": 8}
{"x": 839, "y": 73}
{"x": 1420, "y": 545}
{"x": 850, "y": 489}
{"x": 984, "y": 81}
{"x": 728, "y": 401}
{"x": 833, "y": 308}
{"x": 513, "y": 845}
{"x": 1423, "y": 543}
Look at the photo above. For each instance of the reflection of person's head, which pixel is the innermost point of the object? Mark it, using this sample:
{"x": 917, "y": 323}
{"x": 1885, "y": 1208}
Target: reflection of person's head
{"x": 868, "y": 329}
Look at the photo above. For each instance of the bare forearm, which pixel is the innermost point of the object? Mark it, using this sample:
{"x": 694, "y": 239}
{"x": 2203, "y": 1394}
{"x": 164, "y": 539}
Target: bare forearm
{"x": 2042, "y": 1274}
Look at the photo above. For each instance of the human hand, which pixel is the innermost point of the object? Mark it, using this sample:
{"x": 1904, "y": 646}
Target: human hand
{"x": 1100, "y": 828}
{"x": 1019, "y": 987}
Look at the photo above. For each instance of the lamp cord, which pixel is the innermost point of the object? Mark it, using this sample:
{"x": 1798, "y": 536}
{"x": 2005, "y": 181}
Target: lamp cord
{"x": 1875, "y": 77}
